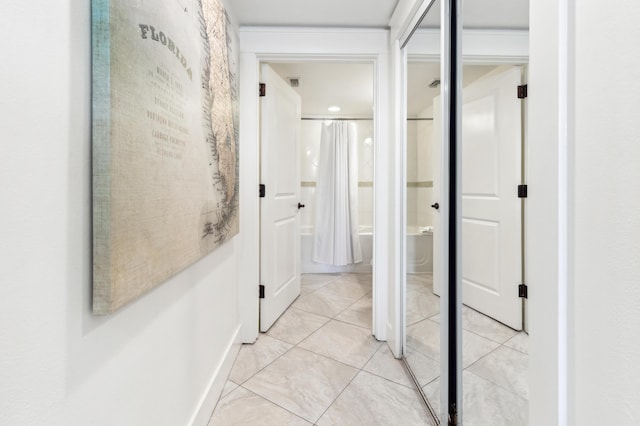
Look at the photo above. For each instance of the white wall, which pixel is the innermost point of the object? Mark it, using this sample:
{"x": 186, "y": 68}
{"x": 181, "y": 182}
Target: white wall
{"x": 152, "y": 362}
{"x": 605, "y": 217}
{"x": 583, "y": 210}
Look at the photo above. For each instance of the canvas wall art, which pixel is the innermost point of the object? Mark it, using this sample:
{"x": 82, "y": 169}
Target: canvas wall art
{"x": 165, "y": 141}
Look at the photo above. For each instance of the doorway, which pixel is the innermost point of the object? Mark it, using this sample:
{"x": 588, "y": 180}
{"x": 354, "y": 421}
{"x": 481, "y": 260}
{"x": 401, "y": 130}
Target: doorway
{"x": 316, "y": 208}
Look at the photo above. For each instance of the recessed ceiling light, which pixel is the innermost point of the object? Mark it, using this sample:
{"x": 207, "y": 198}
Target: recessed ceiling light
{"x": 334, "y": 108}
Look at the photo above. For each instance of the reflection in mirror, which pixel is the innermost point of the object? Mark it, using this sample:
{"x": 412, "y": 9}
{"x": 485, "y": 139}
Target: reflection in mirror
{"x": 422, "y": 306}
{"x": 494, "y": 352}
{"x": 494, "y": 337}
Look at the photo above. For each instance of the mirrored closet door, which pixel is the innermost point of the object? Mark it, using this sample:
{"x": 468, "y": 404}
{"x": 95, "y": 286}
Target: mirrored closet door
{"x": 466, "y": 338}
{"x": 422, "y": 340}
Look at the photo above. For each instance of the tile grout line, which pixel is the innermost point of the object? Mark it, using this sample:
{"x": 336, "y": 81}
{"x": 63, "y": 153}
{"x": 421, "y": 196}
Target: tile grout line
{"x": 274, "y": 403}
{"x": 499, "y": 386}
{"x": 348, "y": 384}
{"x": 489, "y": 380}
{"x": 274, "y": 360}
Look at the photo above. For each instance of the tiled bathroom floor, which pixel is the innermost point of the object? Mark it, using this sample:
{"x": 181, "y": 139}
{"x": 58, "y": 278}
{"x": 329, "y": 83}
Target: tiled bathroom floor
{"x": 320, "y": 365}
{"x": 495, "y": 359}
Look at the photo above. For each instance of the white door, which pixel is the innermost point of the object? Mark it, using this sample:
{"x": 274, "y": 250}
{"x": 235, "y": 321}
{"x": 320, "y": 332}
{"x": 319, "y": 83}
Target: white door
{"x": 491, "y": 209}
{"x": 279, "y": 220}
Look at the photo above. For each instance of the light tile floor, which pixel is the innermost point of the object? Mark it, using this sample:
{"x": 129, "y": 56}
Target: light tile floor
{"x": 495, "y": 359}
{"x": 320, "y": 365}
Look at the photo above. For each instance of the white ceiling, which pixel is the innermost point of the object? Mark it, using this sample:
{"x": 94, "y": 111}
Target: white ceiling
{"x": 349, "y": 86}
{"x": 314, "y": 13}
{"x": 495, "y": 14}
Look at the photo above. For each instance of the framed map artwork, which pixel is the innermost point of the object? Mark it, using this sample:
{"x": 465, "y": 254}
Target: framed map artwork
{"x": 165, "y": 141}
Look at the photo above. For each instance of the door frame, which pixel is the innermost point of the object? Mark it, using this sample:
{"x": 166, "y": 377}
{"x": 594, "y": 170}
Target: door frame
{"x": 265, "y": 44}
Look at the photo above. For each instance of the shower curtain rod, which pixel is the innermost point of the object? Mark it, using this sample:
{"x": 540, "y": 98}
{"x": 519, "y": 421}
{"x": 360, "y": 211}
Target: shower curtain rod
{"x": 336, "y": 119}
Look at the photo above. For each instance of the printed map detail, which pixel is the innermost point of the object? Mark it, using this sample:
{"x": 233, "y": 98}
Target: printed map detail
{"x": 165, "y": 141}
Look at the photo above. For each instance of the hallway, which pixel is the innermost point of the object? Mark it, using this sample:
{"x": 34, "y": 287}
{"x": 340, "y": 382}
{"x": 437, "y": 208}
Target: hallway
{"x": 320, "y": 365}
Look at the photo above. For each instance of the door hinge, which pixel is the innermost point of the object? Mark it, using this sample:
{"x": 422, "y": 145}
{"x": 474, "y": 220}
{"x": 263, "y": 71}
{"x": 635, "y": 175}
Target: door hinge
{"x": 523, "y": 291}
{"x": 263, "y": 190}
{"x": 263, "y": 90}
{"x": 522, "y": 91}
{"x": 261, "y": 290}
{"x": 522, "y": 191}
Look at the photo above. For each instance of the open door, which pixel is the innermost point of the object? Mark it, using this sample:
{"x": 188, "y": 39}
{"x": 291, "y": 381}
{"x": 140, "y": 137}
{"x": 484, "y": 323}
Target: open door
{"x": 491, "y": 209}
{"x": 280, "y": 175}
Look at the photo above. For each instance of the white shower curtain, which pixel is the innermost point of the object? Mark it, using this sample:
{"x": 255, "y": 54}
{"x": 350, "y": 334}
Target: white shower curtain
{"x": 336, "y": 240}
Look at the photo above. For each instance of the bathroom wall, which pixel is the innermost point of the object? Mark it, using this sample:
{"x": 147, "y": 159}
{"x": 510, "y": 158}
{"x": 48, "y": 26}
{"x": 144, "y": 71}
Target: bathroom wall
{"x": 310, "y": 153}
{"x": 420, "y": 171}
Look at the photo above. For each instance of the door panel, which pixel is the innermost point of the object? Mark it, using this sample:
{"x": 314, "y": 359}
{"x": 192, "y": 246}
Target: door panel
{"x": 491, "y": 144}
{"x": 491, "y": 220}
{"x": 280, "y": 173}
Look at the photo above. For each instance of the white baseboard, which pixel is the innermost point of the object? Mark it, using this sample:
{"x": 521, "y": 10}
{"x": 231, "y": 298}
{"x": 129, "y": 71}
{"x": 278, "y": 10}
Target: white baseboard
{"x": 213, "y": 391}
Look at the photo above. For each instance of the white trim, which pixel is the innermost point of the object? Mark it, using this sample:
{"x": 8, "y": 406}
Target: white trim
{"x": 249, "y": 237}
{"x": 548, "y": 207}
{"x": 395, "y": 211}
{"x": 321, "y": 42}
{"x": 258, "y": 44}
{"x": 565, "y": 142}
{"x": 478, "y": 46}
{"x": 209, "y": 399}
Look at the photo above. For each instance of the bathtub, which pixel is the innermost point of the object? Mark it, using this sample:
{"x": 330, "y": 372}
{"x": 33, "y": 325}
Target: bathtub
{"x": 419, "y": 251}
{"x": 308, "y": 266}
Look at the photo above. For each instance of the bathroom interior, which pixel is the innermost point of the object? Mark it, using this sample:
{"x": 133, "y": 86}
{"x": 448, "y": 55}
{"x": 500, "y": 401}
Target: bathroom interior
{"x": 334, "y": 93}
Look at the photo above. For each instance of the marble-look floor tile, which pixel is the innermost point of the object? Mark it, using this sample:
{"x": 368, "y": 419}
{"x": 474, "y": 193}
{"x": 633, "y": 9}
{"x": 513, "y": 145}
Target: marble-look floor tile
{"x": 385, "y": 365}
{"x": 505, "y": 367}
{"x": 323, "y": 302}
{"x": 475, "y": 347}
{"x": 372, "y": 400}
{"x": 419, "y": 282}
{"x": 312, "y": 282}
{"x": 349, "y": 287}
{"x": 424, "y": 338}
{"x": 519, "y": 342}
{"x": 424, "y": 368}
{"x": 360, "y": 313}
{"x": 243, "y": 407}
{"x": 295, "y": 325}
{"x": 343, "y": 342}
{"x": 302, "y": 382}
{"x": 229, "y": 386}
{"x": 484, "y": 404}
{"x": 483, "y": 325}
{"x": 421, "y": 304}
{"x": 253, "y": 358}
{"x": 362, "y": 278}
